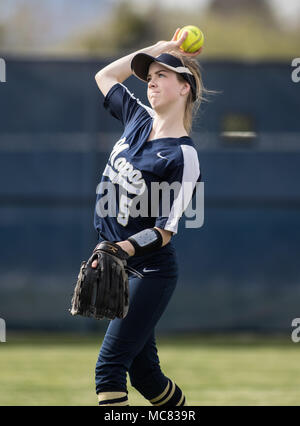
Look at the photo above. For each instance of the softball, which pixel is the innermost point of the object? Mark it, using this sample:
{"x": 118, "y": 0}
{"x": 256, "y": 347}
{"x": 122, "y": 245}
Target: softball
{"x": 194, "y": 40}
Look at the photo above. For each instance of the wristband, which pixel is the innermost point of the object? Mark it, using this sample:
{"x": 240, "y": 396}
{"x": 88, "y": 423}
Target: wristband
{"x": 146, "y": 241}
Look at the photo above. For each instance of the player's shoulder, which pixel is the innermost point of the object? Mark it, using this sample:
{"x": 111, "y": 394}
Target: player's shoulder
{"x": 180, "y": 152}
{"x": 121, "y": 90}
{"x": 185, "y": 150}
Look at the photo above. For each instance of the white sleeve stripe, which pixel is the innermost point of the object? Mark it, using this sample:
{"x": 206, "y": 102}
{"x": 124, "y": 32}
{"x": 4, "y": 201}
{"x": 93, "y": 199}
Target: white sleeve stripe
{"x": 191, "y": 172}
{"x": 150, "y": 111}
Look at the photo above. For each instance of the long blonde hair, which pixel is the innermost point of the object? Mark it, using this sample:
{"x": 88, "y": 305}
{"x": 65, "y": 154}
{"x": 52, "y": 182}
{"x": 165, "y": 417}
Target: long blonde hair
{"x": 191, "y": 107}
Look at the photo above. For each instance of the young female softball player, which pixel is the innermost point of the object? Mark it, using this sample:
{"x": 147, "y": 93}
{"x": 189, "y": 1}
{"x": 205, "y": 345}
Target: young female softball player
{"x": 154, "y": 147}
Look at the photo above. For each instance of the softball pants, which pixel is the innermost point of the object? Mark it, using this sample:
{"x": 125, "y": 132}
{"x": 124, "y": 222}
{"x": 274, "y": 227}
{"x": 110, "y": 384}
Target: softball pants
{"x": 129, "y": 344}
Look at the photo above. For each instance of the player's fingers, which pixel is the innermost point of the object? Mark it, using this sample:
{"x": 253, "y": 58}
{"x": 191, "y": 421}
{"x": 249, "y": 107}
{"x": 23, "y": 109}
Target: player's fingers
{"x": 175, "y": 34}
{"x": 94, "y": 263}
{"x": 194, "y": 53}
{"x": 182, "y": 38}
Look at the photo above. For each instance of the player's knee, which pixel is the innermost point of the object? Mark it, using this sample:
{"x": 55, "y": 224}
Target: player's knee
{"x": 112, "y": 398}
{"x": 171, "y": 396}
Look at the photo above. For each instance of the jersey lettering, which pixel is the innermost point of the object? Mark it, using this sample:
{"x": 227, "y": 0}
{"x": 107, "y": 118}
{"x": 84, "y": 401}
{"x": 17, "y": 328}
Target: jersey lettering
{"x": 120, "y": 171}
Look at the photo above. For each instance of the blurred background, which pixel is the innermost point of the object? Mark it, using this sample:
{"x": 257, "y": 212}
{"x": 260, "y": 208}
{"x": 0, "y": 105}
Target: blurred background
{"x": 239, "y": 272}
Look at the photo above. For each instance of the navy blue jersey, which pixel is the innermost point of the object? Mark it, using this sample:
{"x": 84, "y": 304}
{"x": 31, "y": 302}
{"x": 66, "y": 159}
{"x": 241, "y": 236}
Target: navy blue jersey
{"x": 135, "y": 163}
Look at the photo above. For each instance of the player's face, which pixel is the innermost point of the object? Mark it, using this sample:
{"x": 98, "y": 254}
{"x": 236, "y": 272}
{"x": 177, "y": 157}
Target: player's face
{"x": 163, "y": 86}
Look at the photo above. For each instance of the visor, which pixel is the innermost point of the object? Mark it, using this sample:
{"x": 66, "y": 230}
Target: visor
{"x": 141, "y": 62}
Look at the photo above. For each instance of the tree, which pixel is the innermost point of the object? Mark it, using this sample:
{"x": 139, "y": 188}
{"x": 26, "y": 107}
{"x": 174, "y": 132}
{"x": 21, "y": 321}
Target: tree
{"x": 125, "y": 29}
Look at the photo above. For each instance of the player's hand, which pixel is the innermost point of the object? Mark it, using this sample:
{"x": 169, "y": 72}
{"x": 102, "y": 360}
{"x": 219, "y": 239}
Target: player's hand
{"x": 179, "y": 42}
{"x": 125, "y": 245}
{"x": 174, "y": 45}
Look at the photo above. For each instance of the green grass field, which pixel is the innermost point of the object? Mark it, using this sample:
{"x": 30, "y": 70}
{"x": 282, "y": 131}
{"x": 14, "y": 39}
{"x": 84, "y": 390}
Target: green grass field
{"x": 217, "y": 370}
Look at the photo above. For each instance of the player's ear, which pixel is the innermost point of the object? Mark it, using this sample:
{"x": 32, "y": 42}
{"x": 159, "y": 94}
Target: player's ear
{"x": 185, "y": 88}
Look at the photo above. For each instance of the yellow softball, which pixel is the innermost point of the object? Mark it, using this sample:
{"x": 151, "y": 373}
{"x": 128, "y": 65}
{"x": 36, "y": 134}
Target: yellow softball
{"x": 194, "y": 40}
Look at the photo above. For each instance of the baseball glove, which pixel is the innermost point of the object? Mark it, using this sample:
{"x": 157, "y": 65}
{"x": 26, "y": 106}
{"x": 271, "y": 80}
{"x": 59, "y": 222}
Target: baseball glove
{"x": 103, "y": 292}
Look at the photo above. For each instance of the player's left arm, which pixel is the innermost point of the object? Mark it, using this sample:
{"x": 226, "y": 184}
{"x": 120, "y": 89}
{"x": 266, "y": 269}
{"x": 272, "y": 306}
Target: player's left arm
{"x": 167, "y": 235}
{"x": 129, "y": 248}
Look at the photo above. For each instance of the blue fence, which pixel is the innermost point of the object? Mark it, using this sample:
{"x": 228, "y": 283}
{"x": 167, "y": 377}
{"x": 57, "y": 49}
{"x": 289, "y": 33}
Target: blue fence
{"x": 240, "y": 271}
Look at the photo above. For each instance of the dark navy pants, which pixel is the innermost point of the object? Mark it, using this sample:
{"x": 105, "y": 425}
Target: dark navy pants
{"x": 129, "y": 344}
